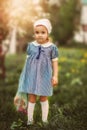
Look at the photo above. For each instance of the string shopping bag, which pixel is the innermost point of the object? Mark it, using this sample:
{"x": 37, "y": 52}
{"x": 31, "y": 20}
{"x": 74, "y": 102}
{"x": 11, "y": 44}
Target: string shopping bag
{"x": 21, "y": 102}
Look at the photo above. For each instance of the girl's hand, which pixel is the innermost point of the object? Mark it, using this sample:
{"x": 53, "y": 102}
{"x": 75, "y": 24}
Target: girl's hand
{"x": 16, "y": 100}
{"x": 54, "y": 81}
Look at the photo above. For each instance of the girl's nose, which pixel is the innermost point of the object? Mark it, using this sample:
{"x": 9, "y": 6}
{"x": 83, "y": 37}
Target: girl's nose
{"x": 40, "y": 34}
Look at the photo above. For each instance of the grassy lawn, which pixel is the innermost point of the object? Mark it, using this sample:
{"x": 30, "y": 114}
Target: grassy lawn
{"x": 68, "y": 105}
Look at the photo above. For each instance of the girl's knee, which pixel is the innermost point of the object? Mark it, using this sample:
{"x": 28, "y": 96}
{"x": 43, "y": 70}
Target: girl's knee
{"x": 32, "y": 98}
{"x": 43, "y": 98}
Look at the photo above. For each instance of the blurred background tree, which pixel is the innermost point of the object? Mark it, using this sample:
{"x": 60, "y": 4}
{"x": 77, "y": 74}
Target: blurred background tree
{"x": 65, "y": 26}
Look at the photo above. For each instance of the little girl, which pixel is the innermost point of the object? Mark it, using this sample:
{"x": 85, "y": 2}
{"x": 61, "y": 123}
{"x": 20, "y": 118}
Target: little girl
{"x": 40, "y": 72}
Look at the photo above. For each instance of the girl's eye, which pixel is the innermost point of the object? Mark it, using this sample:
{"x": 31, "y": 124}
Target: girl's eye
{"x": 36, "y": 32}
{"x": 43, "y": 32}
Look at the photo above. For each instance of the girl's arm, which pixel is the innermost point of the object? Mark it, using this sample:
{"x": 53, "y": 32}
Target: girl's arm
{"x": 55, "y": 73}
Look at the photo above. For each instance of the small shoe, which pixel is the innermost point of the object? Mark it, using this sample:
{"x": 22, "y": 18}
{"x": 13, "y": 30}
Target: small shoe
{"x": 45, "y": 123}
{"x": 30, "y": 123}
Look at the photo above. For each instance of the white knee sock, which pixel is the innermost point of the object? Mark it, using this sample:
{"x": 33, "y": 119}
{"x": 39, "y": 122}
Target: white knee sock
{"x": 45, "y": 109}
{"x": 30, "y": 111}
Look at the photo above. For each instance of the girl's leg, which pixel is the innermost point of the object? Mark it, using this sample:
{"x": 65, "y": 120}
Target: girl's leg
{"x": 45, "y": 108}
{"x": 31, "y": 104}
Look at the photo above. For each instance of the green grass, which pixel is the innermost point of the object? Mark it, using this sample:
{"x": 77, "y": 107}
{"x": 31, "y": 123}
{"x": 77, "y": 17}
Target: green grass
{"x": 68, "y": 105}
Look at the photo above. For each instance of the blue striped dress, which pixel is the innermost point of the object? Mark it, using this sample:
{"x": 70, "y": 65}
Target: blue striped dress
{"x": 37, "y": 72}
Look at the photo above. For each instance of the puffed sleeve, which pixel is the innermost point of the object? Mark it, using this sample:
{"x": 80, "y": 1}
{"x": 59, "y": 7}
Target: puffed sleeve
{"x": 28, "y": 49}
{"x": 54, "y": 55}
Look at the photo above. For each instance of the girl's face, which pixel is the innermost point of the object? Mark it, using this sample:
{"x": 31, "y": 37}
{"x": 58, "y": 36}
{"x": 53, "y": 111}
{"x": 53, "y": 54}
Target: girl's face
{"x": 41, "y": 34}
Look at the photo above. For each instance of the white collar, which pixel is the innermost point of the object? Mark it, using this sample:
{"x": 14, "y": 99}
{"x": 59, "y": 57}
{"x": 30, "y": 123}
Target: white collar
{"x": 43, "y": 45}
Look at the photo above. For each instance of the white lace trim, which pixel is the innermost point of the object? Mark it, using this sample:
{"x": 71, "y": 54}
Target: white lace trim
{"x": 43, "y": 45}
{"x": 55, "y": 59}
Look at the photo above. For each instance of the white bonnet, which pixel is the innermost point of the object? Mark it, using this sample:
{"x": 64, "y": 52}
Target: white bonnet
{"x": 44, "y": 22}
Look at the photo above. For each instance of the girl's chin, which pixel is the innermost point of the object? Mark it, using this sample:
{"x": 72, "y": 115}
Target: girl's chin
{"x": 41, "y": 42}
